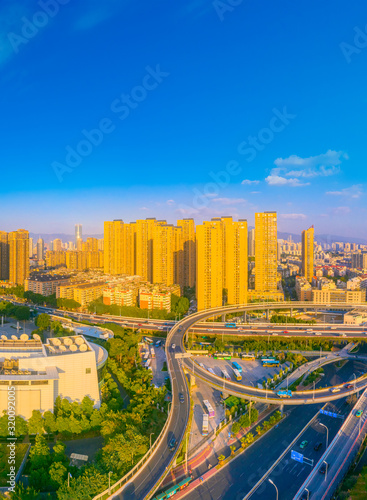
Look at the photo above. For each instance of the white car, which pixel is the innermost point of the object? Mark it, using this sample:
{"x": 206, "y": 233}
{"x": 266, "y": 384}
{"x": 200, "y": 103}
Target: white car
{"x": 318, "y": 333}
{"x": 173, "y": 346}
{"x": 274, "y": 334}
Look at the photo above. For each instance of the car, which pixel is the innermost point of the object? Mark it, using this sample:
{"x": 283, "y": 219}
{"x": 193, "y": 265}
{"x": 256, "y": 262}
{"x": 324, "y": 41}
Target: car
{"x": 318, "y": 333}
{"x": 349, "y": 386}
{"x": 172, "y": 444}
{"x": 335, "y": 389}
{"x": 285, "y": 331}
{"x": 324, "y": 467}
{"x": 173, "y": 346}
{"x": 317, "y": 446}
{"x": 181, "y": 397}
{"x": 276, "y": 334}
{"x": 210, "y": 329}
{"x": 303, "y": 444}
{"x": 359, "y": 413}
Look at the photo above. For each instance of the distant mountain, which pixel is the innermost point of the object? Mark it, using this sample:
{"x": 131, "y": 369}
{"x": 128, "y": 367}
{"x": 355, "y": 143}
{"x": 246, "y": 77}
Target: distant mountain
{"x": 64, "y": 237}
{"x": 320, "y": 238}
{"x": 325, "y": 238}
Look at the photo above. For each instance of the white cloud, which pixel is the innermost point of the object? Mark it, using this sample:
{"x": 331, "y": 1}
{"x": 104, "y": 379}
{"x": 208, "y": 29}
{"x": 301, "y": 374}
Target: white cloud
{"x": 247, "y": 182}
{"x": 144, "y": 208}
{"x": 276, "y": 180}
{"x": 289, "y": 170}
{"x": 170, "y": 202}
{"x": 355, "y": 192}
{"x": 341, "y": 210}
{"x": 293, "y": 216}
{"x": 229, "y": 201}
{"x": 255, "y": 192}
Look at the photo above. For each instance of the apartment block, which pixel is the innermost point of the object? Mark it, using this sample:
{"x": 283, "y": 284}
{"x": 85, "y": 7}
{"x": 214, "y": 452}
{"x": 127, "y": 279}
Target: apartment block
{"x": 18, "y": 256}
{"x": 266, "y": 266}
{"x": 308, "y": 253}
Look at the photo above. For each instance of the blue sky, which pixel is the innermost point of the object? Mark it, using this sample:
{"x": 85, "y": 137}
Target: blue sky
{"x": 191, "y": 108}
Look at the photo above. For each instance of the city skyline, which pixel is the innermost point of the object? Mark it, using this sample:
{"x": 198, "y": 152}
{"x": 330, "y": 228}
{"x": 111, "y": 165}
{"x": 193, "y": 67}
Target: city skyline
{"x": 170, "y": 132}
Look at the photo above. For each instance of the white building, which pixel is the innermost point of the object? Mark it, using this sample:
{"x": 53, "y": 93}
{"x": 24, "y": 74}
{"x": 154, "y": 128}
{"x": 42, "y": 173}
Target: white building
{"x": 69, "y": 367}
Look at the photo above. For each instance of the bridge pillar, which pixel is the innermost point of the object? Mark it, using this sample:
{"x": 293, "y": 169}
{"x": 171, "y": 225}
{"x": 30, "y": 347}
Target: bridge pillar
{"x": 291, "y": 312}
{"x": 244, "y": 317}
{"x": 187, "y": 335}
{"x": 223, "y": 318}
{"x": 267, "y": 314}
{"x": 282, "y": 409}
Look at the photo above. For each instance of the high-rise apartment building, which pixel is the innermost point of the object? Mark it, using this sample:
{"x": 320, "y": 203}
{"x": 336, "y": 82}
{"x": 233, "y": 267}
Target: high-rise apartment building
{"x": 18, "y": 256}
{"x": 251, "y": 243}
{"x": 40, "y": 249}
{"x": 359, "y": 260}
{"x": 30, "y": 247}
{"x": 221, "y": 262}
{"x": 144, "y": 247}
{"x": 57, "y": 245}
{"x": 266, "y": 252}
{"x": 209, "y": 265}
{"x": 189, "y": 251}
{"x": 119, "y": 247}
{"x": 4, "y": 256}
{"x": 78, "y": 234}
{"x": 163, "y": 254}
{"x": 308, "y": 253}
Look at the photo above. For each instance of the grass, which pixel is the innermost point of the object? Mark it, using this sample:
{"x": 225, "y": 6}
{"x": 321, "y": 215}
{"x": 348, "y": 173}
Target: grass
{"x": 20, "y": 451}
{"x": 164, "y": 367}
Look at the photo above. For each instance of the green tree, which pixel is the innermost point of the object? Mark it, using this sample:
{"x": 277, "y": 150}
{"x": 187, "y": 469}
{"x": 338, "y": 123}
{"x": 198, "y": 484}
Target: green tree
{"x": 23, "y": 493}
{"x": 58, "y": 473}
{"x": 221, "y": 458}
{"x": 39, "y": 453}
{"x": 232, "y": 448}
{"x": 36, "y": 423}
{"x": 43, "y": 321}
{"x": 236, "y": 428}
{"x": 49, "y": 422}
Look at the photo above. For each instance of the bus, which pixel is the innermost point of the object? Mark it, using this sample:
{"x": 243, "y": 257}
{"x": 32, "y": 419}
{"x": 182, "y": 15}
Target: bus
{"x": 237, "y": 374}
{"x": 248, "y": 357}
{"x": 209, "y": 407}
{"x": 152, "y": 352}
{"x": 211, "y": 371}
{"x": 173, "y": 489}
{"x": 231, "y": 325}
{"x": 147, "y": 363}
{"x": 146, "y": 356}
{"x": 225, "y": 374}
{"x": 205, "y": 426}
{"x": 148, "y": 340}
{"x": 158, "y": 343}
{"x": 271, "y": 362}
{"x": 236, "y": 366}
{"x": 222, "y": 355}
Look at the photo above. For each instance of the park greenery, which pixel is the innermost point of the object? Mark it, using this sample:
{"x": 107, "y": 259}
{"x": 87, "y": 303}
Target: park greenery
{"x": 20, "y": 451}
{"x": 126, "y": 428}
{"x": 283, "y": 319}
{"x": 19, "y": 313}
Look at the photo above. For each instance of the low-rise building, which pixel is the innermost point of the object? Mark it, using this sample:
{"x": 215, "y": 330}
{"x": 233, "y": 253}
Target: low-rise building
{"x": 69, "y": 367}
{"x": 84, "y": 293}
{"x": 355, "y": 317}
{"x": 326, "y": 295}
{"x": 44, "y": 284}
{"x": 303, "y": 289}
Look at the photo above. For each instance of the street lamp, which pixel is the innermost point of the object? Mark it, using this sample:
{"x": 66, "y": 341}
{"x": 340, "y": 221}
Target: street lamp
{"x": 327, "y": 466}
{"x": 327, "y": 434}
{"x": 150, "y": 439}
{"x": 308, "y": 493}
{"x": 109, "y": 482}
{"x": 276, "y": 489}
{"x": 170, "y": 402}
{"x": 69, "y": 476}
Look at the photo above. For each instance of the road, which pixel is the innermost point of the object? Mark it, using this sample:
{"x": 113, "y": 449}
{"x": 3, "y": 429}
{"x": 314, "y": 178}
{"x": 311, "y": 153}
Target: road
{"x": 339, "y": 455}
{"x": 235, "y": 481}
{"x": 145, "y": 480}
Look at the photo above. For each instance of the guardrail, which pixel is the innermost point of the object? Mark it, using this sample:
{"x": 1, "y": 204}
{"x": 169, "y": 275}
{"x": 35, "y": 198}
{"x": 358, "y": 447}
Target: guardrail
{"x": 331, "y": 445}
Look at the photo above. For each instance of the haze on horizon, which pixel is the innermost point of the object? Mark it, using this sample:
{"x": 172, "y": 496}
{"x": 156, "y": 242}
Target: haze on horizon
{"x": 126, "y": 110}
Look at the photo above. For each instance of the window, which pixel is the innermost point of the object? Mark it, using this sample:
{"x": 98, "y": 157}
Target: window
{"x": 39, "y": 382}
{"x": 88, "y": 370}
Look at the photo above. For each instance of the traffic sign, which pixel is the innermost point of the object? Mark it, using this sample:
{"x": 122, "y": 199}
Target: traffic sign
{"x": 298, "y": 457}
{"x": 330, "y": 414}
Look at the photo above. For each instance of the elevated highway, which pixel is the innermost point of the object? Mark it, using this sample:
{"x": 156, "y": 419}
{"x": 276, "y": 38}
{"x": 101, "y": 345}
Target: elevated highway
{"x": 147, "y": 479}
